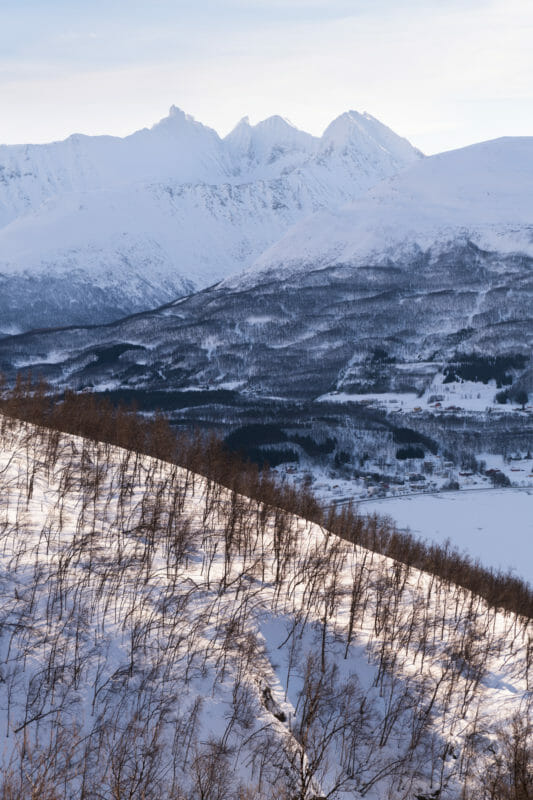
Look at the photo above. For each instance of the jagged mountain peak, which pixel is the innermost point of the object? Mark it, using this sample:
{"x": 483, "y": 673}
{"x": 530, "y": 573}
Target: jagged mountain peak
{"x": 342, "y": 128}
{"x": 175, "y": 111}
{"x": 283, "y": 132}
{"x": 166, "y": 207}
{"x": 362, "y": 132}
{"x": 244, "y": 122}
{"x": 268, "y": 148}
{"x": 277, "y": 124}
{"x": 179, "y": 122}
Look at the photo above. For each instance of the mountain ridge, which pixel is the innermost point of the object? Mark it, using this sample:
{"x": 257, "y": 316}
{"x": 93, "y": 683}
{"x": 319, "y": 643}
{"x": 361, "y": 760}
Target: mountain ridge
{"x": 171, "y": 208}
{"x": 420, "y": 301}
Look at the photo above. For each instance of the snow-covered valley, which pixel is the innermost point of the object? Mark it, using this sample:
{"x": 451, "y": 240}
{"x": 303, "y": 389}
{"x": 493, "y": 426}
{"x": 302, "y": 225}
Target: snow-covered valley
{"x": 494, "y": 526}
{"x": 409, "y": 308}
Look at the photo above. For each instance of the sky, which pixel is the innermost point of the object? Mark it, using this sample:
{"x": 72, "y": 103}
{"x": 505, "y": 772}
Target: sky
{"x": 443, "y": 73}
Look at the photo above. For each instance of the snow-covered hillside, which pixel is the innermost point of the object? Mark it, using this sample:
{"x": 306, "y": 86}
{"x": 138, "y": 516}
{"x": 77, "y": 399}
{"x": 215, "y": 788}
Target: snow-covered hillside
{"x": 482, "y": 194}
{"x": 164, "y": 637}
{"x": 127, "y": 224}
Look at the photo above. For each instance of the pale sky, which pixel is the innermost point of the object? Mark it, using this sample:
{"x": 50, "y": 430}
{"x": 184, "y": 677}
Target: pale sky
{"x": 444, "y": 73}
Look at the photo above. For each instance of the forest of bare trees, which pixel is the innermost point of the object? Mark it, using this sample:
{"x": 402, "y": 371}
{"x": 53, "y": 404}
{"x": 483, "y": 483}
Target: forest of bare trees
{"x": 174, "y": 624}
{"x": 91, "y": 416}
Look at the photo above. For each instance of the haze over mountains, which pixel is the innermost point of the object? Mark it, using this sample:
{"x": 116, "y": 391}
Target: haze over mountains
{"x": 94, "y": 228}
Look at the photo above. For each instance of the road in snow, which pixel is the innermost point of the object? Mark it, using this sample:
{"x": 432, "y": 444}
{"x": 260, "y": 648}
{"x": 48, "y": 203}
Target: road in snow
{"x": 495, "y": 526}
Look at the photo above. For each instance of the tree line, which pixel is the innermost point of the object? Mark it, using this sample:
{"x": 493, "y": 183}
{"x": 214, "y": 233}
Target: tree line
{"x": 90, "y": 415}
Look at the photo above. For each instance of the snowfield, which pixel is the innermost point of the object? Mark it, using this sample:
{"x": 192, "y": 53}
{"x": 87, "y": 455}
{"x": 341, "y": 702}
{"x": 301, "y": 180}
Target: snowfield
{"x": 162, "y": 636}
{"x": 494, "y": 526}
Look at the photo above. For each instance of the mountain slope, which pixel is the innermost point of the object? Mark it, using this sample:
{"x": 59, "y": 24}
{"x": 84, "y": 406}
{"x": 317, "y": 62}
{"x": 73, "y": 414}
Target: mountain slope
{"x": 131, "y": 223}
{"x": 177, "y": 147}
{"x": 336, "y": 328}
{"x": 482, "y": 194}
{"x": 346, "y": 323}
{"x": 164, "y": 636}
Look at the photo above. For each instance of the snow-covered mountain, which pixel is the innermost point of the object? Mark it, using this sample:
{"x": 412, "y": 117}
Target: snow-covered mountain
{"x": 482, "y": 194}
{"x": 177, "y": 147}
{"x": 381, "y": 295}
{"x": 93, "y": 228}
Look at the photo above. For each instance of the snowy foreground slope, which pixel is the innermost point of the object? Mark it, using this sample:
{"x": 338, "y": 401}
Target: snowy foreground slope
{"x": 164, "y": 637}
{"x": 93, "y": 228}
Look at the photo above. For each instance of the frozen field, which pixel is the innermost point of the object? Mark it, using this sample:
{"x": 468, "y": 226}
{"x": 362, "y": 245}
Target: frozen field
{"x": 495, "y": 525}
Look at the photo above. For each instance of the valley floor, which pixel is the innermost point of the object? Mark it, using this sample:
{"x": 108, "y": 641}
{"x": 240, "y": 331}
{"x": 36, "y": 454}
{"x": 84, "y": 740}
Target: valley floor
{"x": 492, "y": 525}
